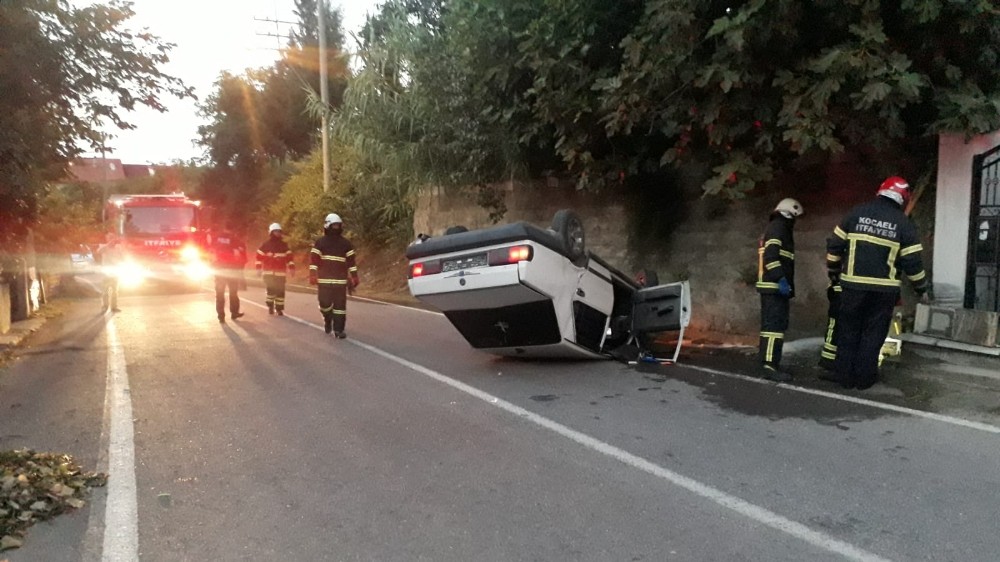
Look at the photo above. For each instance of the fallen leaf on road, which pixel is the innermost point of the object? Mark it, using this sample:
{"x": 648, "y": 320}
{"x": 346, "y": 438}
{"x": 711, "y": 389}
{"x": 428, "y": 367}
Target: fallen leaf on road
{"x": 37, "y": 487}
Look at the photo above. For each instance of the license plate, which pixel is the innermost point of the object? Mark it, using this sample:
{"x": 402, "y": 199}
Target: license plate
{"x": 464, "y": 262}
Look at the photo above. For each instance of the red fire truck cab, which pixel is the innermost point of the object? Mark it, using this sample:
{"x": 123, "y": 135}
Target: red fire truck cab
{"x": 162, "y": 238}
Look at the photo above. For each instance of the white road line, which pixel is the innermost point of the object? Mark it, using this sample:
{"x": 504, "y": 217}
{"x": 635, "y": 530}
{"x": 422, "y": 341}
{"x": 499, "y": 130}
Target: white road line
{"x": 121, "y": 515}
{"x": 376, "y": 301}
{"x": 968, "y": 424}
{"x": 742, "y": 507}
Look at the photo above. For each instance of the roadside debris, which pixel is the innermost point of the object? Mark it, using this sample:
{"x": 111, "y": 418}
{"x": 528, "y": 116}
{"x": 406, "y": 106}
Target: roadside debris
{"x": 37, "y": 487}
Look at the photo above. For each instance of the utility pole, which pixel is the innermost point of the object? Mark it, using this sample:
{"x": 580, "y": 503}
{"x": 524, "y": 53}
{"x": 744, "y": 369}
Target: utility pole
{"x": 324, "y": 94}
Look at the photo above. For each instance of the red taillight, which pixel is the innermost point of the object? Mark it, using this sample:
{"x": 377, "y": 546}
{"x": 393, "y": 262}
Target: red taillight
{"x": 425, "y": 268}
{"x": 511, "y": 255}
{"x": 519, "y": 253}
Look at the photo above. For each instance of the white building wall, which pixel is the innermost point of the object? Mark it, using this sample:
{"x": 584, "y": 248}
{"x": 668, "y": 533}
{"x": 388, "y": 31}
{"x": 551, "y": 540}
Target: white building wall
{"x": 954, "y": 204}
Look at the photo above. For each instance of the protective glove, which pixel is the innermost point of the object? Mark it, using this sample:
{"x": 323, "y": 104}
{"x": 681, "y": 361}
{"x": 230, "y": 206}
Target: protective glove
{"x": 313, "y": 278}
{"x": 355, "y": 281}
{"x": 834, "y": 277}
{"x": 924, "y": 298}
{"x": 784, "y": 289}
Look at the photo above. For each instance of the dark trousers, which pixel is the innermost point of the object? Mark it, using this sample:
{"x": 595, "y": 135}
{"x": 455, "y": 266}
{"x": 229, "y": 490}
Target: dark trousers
{"x": 773, "y": 323}
{"x": 333, "y": 304}
{"x": 221, "y": 283}
{"x": 275, "y": 287}
{"x": 829, "y": 353}
{"x": 863, "y": 323}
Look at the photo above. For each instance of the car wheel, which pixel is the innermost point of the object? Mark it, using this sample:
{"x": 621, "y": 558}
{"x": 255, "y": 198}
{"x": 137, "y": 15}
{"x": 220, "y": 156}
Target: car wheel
{"x": 455, "y": 230}
{"x": 569, "y": 228}
{"x": 647, "y": 278}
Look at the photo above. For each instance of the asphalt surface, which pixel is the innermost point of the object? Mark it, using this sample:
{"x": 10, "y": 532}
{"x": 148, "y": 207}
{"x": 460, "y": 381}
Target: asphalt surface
{"x": 263, "y": 438}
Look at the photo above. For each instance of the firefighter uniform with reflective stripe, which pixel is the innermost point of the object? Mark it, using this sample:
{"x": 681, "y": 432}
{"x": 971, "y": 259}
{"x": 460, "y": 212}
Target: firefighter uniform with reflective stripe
{"x": 867, "y": 251}
{"x": 775, "y": 267}
{"x": 332, "y": 264}
{"x": 274, "y": 260}
{"x": 828, "y": 354}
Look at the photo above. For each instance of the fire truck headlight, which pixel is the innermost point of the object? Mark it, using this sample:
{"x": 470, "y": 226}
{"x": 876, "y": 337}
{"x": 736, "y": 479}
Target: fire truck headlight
{"x": 190, "y": 253}
{"x": 130, "y": 274}
{"x": 197, "y": 271}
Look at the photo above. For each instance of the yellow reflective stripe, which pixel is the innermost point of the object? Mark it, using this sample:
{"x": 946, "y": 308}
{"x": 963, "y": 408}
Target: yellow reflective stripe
{"x": 313, "y": 267}
{"x": 833, "y": 258}
{"x": 340, "y": 312}
{"x": 893, "y": 246}
{"x": 911, "y": 250}
{"x": 828, "y": 355}
{"x": 770, "y": 350}
{"x": 918, "y": 277}
{"x": 772, "y": 241}
{"x": 778, "y": 335}
{"x": 838, "y": 289}
{"x": 260, "y": 253}
{"x": 873, "y": 240}
{"x": 316, "y": 251}
{"x": 327, "y": 309}
{"x": 274, "y": 273}
{"x": 839, "y": 233}
{"x": 860, "y": 279}
{"x": 353, "y": 269}
{"x": 787, "y": 254}
{"x": 333, "y": 281}
{"x": 335, "y": 258}
{"x": 829, "y": 333}
{"x": 350, "y": 253}
{"x": 766, "y": 285}
{"x": 773, "y": 265}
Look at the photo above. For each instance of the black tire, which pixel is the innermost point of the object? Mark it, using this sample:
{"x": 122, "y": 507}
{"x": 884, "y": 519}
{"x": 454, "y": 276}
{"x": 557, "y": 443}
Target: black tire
{"x": 455, "y": 230}
{"x": 647, "y": 278}
{"x": 569, "y": 228}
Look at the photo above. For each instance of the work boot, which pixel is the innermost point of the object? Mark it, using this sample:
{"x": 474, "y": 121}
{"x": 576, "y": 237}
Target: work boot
{"x": 340, "y": 335}
{"x": 773, "y": 374}
{"x": 270, "y": 309}
{"x": 222, "y": 318}
{"x": 238, "y": 315}
{"x": 328, "y": 325}
{"x": 281, "y": 312}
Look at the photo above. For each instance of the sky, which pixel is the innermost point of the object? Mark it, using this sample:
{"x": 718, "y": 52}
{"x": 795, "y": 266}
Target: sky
{"x": 211, "y": 36}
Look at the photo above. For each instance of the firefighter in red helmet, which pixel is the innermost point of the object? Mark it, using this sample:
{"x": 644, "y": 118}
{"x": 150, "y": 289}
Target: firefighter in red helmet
{"x": 865, "y": 255}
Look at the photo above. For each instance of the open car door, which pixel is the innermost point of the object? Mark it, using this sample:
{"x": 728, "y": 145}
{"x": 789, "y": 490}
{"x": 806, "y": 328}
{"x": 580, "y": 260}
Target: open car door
{"x": 663, "y": 308}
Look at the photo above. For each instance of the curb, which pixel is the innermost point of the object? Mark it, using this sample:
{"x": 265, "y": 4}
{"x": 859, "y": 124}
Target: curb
{"x": 19, "y": 331}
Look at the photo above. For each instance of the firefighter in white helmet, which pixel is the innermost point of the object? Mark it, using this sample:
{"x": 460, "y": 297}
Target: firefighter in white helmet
{"x": 274, "y": 263}
{"x": 776, "y": 285}
{"x": 332, "y": 266}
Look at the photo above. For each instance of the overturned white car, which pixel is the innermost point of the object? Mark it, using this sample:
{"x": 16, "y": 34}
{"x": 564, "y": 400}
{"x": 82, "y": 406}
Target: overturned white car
{"x": 521, "y": 290}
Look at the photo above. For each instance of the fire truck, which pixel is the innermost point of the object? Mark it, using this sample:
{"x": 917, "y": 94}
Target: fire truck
{"x": 162, "y": 239}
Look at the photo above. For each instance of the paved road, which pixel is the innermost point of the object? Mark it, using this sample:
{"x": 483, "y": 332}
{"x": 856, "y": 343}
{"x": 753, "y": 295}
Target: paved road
{"x": 266, "y": 439}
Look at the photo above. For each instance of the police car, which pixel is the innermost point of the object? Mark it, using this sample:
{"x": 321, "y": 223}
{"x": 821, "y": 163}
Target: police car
{"x": 521, "y": 290}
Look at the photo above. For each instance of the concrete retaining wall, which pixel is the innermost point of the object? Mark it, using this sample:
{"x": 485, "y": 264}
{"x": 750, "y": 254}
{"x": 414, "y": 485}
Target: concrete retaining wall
{"x": 701, "y": 239}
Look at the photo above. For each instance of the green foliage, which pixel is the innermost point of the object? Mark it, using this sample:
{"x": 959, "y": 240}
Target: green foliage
{"x": 375, "y": 212}
{"x": 64, "y": 70}
{"x": 472, "y": 91}
{"x": 419, "y": 109}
